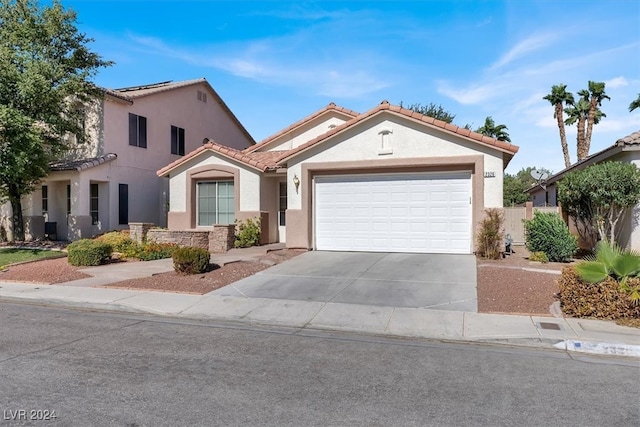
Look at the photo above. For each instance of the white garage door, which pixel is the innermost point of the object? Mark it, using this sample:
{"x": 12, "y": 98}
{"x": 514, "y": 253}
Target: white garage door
{"x": 427, "y": 213}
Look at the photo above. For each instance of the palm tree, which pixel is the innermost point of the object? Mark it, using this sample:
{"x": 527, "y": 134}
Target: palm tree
{"x": 578, "y": 113}
{"x": 492, "y": 130}
{"x": 595, "y": 94}
{"x": 559, "y": 97}
{"x": 635, "y": 104}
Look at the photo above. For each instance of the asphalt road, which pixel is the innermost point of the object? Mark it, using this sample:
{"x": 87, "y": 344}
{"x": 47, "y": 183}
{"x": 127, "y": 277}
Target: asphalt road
{"x": 91, "y": 368}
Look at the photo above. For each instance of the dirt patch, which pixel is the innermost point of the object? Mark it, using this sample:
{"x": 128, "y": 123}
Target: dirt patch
{"x": 193, "y": 283}
{"x": 503, "y": 285}
{"x": 214, "y": 279}
{"x": 47, "y": 271}
{"x": 516, "y": 285}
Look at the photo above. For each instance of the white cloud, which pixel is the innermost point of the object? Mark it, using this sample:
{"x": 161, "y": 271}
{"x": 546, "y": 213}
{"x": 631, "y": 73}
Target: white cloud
{"x": 526, "y": 46}
{"x": 473, "y": 94}
{"x": 617, "y": 82}
{"x": 264, "y": 62}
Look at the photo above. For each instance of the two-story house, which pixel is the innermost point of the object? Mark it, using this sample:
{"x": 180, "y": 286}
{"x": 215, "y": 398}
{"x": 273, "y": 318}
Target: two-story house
{"x": 108, "y": 178}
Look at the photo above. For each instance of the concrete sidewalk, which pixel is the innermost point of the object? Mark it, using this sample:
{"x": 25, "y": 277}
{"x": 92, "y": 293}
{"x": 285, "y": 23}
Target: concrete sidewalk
{"x": 580, "y": 335}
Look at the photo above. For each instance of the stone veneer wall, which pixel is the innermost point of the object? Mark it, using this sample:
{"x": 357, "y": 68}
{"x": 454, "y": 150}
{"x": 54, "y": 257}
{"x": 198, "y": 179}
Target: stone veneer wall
{"x": 221, "y": 239}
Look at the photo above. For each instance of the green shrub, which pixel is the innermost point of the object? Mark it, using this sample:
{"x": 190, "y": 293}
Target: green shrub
{"x": 247, "y": 233}
{"x": 153, "y": 250}
{"x": 603, "y": 300}
{"x": 539, "y": 257}
{"x": 490, "y": 236}
{"x": 191, "y": 260}
{"x": 611, "y": 261}
{"x": 120, "y": 242}
{"x": 87, "y": 252}
{"x": 548, "y": 233}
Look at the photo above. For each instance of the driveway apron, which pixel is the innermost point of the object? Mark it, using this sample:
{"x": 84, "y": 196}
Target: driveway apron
{"x": 434, "y": 281}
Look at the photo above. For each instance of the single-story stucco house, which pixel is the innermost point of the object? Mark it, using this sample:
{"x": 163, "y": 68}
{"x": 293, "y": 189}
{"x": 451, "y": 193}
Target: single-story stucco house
{"x": 388, "y": 180}
{"x": 626, "y": 149}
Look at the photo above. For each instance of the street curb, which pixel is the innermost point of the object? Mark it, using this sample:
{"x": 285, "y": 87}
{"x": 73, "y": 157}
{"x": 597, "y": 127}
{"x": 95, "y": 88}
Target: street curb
{"x": 569, "y": 346}
{"x": 610, "y": 349}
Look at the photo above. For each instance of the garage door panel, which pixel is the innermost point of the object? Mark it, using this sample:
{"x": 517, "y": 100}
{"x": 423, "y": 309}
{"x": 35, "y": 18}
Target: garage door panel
{"x": 394, "y": 213}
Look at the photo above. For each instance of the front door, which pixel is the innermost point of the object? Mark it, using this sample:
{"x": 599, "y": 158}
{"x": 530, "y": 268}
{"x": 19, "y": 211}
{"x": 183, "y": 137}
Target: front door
{"x": 282, "y": 207}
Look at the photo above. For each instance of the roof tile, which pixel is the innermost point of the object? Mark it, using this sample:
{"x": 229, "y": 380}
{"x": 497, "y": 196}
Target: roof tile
{"x": 331, "y": 107}
{"x": 632, "y": 139}
{"x": 510, "y": 148}
{"x": 261, "y": 163}
{"x": 82, "y": 164}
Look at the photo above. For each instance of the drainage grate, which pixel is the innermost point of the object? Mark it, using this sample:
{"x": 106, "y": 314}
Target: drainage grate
{"x": 550, "y": 326}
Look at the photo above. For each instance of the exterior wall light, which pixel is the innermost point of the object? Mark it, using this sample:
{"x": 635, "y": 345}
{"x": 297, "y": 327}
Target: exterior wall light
{"x": 296, "y": 182}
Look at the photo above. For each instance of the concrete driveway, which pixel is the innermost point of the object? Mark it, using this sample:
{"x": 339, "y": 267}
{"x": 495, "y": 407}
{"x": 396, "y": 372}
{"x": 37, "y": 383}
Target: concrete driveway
{"x": 435, "y": 281}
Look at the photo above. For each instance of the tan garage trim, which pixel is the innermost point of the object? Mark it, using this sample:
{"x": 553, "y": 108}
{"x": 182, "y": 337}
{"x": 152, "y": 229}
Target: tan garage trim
{"x": 300, "y": 222}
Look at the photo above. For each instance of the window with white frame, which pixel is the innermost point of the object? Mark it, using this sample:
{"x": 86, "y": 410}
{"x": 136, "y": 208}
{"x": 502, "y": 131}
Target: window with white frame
{"x": 216, "y": 203}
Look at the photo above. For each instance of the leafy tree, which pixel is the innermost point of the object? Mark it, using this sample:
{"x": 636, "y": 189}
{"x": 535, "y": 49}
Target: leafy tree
{"x": 634, "y": 104}
{"x": 598, "y": 196}
{"x": 490, "y": 128}
{"x": 559, "y": 97}
{"x": 432, "y": 110}
{"x": 45, "y": 67}
{"x": 586, "y": 113}
{"x": 514, "y": 186}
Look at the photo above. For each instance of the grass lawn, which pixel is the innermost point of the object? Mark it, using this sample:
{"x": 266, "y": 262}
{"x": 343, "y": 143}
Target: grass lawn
{"x": 12, "y": 255}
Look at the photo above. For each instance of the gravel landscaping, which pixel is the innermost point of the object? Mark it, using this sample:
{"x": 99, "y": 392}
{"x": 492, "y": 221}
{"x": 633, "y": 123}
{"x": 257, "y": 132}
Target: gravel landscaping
{"x": 509, "y": 285}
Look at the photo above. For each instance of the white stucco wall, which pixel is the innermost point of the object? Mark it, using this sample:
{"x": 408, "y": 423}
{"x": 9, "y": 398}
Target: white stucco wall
{"x": 406, "y": 140}
{"x": 309, "y": 131}
{"x": 249, "y": 185}
{"x": 630, "y": 234}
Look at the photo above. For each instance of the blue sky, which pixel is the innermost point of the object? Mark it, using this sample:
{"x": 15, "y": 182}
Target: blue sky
{"x": 275, "y": 62}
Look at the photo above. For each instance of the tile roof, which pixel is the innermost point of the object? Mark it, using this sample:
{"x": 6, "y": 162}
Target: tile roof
{"x": 633, "y": 139}
{"x": 271, "y": 160}
{"x": 117, "y": 95}
{"x": 331, "y": 107}
{"x": 259, "y": 161}
{"x": 150, "y": 89}
{"x": 82, "y": 164}
{"x": 385, "y": 106}
{"x": 626, "y": 141}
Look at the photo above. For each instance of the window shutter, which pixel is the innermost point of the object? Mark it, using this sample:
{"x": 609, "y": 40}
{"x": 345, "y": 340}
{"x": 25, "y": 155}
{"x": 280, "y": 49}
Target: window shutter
{"x": 133, "y": 129}
{"x": 181, "y": 142}
{"x": 174, "y": 140}
{"x": 123, "y": 203}
{"x": 142, "y": 132}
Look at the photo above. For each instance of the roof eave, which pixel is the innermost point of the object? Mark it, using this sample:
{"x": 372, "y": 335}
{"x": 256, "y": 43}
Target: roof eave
{"x": 594, "y": 158}
{"x": 166, "y": 171}
{"x": 510, "y": 151}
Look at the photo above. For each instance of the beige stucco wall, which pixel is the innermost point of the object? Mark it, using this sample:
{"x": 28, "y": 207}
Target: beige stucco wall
{"x": 178, "y": 107}
{"x": 630, "y": 229}
{"x": 249, "y": 185}
{"x": 107, "y": 129}
{"x": 320, "y": 125}
{"x": 407, "y": 140}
